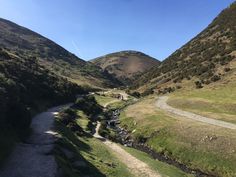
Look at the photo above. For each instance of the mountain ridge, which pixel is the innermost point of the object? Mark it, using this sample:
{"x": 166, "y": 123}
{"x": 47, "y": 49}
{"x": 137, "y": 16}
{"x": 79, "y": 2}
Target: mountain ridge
{"x": 25, "y": 42}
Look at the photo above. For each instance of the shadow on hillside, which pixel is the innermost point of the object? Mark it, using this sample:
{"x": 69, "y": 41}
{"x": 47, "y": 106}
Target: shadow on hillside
{"x": 69, "y": 149}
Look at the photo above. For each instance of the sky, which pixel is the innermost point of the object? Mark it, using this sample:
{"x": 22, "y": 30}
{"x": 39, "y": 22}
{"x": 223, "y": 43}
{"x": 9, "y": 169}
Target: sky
{"x": 92, "y": 28}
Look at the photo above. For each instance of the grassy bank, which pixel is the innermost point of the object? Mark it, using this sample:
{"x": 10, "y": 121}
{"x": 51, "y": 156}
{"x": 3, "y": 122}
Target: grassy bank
{"x": 218, "y": 103}
{"x": 89, "y": 156}
{"x": 77, "y": 152}
{"x": 156, "y": 165}
{"x": 199, "y": 146}
{"x": 161, "y": 167}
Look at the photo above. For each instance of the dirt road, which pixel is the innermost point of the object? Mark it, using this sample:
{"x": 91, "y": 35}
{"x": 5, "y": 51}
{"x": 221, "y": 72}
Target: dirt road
{"x": 34, "y": 158}
{"x": 136, "y": 167}
{"x": 161, "y": 103}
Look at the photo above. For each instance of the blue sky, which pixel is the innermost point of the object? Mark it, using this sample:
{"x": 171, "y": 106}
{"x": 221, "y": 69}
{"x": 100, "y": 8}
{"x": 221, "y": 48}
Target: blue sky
{"x": 91, "y": 28}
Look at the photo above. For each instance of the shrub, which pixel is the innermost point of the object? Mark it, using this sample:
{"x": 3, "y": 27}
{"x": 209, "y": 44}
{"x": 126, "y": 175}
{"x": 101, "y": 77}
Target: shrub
{"x": 215, "y": 78}
{"x": 19, "y": 118}
{"x": 198, "y": 84}
{"x": 226, "y": 69}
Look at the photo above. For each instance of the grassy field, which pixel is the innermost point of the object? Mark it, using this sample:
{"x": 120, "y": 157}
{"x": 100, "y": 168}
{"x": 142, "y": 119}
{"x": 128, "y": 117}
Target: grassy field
{"x": 91, "y": 155}
{"x": 218, "y": 103}
{"x": 102, "y": 100}
{"x": 211, "y": 149}
{"x": 160, "y": 167}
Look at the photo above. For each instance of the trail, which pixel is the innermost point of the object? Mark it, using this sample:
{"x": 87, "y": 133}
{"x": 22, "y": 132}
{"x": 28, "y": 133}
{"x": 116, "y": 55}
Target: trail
{"x": 162, "y": 104}
{"x": 34, "y": 158}
{"x": 136, "y": 167}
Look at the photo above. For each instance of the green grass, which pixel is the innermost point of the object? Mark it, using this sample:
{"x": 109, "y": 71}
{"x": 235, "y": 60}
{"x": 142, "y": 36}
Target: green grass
{"x": 102, "y": 100}
{"x": 193, "y": 155}
{"x": 99, "y": 160}
{"x": 83, "y": 120}
{"x": 182, "y": 140}
{"x": 219, "y": 103}
{"x": 161, "y": 167}
{"x": 223, "y": 94}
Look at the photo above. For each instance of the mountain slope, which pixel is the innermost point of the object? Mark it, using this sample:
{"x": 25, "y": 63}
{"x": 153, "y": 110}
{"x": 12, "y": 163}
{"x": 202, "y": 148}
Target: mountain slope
{"x": 24, "y": 42}
{"x": 125, "y": 65}
{"x": 207, "y": 58}
{"x": 26, "y": 87}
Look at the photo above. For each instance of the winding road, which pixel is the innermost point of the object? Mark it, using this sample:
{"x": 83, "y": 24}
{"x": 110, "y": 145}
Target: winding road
{"x": 162, "y": 104}
{"x": 34, "y": 157}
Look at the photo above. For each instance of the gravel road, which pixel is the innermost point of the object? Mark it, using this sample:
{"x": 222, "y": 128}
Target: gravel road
{"x": 34, "y": 157}
{"x": 161, "y": 103}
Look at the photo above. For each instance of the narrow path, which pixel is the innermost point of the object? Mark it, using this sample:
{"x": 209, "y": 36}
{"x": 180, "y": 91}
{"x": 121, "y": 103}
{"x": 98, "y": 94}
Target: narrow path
{"x": 161, "y": 103}
{"x": 136, "y": 167}
{"x": 34, "y": 158}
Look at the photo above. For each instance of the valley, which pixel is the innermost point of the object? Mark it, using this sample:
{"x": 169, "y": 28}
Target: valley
{"x": 121, "y": 114}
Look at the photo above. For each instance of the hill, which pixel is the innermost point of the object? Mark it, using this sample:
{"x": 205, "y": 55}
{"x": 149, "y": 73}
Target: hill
{"x": 208, "y": 58}
{"x": 125, "y": 65}
{"x": 26, "y": 87}
{"x": 24, "y": 42}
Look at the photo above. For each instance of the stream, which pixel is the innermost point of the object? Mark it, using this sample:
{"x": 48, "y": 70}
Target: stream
{"x": 124, "y": 137}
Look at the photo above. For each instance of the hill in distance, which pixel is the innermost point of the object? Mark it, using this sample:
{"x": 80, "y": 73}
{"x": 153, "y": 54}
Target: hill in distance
{"x": 126, "y": 65}
{"x": 208, "y": 58}
{"x": 26, "y": 43}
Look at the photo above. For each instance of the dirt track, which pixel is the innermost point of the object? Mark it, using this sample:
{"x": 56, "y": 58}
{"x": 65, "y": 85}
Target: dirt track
{"x": 34, "y": 158}
{"x": 136, "y": 167}
{"x": 161, "y": 103}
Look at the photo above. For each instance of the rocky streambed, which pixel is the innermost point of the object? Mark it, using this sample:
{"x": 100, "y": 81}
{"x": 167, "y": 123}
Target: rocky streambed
{"x": 125, "y": 138}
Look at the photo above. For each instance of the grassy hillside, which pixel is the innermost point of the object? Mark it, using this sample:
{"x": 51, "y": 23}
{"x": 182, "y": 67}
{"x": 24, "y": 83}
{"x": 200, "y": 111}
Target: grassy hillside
{"x": 199, "y": 146}
{"x": 204, "y": 60}
{"x": 26, "y": 87}
{"x": 77, "y": 152}
{"x": 26, "y": 43}
{"x": 214, "y": 102}
{"x": 126, "y": 65}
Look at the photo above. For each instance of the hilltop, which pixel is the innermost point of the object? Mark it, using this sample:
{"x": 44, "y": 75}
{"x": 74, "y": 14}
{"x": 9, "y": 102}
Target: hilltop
{"x": 126, "y": 65}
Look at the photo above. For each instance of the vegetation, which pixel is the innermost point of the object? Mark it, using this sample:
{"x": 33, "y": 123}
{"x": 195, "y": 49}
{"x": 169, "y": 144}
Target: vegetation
{"x": 161, "y": 167}
{"x": 126, "y": 66}
{"x": 199, "y": 146}
{"x": 89, "y": 105}
{"x": 88, "y": 156}
{"x": 218, "y": 103}
{"x": 26, "y": 87}
{"x": 26, "y": 43}
{"x": 200, "y": 59}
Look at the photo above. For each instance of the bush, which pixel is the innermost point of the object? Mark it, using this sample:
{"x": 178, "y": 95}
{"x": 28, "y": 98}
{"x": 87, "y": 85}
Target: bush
{"x": 135, "y": 94}
{"x": 198, "y": 84}
{"x": 226, "y": 69}
{"x": 89, "y": 105}
{"x": 215, "y": 78}
{"x": 19, "y": 118}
